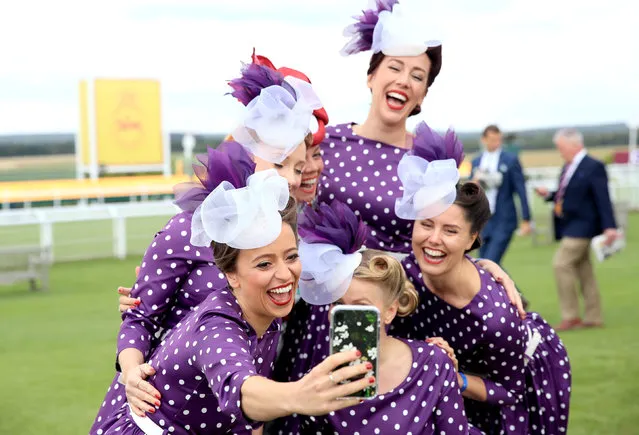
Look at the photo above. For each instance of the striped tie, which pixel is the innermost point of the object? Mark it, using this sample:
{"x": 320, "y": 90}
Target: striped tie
{"x": 562, "y": 184}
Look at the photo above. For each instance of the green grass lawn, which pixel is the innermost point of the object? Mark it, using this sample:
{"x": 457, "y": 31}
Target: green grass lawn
{"x": 57, "y": 348}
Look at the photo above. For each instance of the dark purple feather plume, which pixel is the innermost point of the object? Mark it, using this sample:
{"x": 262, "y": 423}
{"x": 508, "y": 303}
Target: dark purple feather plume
{"x": 254, "y": 78}
{"x": 335, "y": 224}
{"x": 228, "y": 162}
{"x": 362, "y": 30}
{"x": 429, "y": 145}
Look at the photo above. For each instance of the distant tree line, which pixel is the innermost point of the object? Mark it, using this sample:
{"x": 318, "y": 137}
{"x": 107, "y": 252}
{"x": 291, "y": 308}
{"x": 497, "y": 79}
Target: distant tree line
{"x": 540, "y": 139}
{"x": 54, "y": 144}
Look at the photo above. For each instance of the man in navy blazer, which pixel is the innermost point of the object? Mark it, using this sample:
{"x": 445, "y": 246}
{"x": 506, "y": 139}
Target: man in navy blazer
{"x": 500, "y": 174}
{"x": 582, "y": 210}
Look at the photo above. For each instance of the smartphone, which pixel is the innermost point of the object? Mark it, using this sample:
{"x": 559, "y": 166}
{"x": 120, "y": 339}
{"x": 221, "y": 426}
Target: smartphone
{"x": 357, "y": 327}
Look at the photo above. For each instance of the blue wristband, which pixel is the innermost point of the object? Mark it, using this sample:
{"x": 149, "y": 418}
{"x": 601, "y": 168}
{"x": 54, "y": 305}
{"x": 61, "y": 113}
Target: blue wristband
{"x": 465, "y": 382}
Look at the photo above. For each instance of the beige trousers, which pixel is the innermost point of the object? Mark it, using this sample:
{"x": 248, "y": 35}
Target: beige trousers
{"x": 572, "y": 263}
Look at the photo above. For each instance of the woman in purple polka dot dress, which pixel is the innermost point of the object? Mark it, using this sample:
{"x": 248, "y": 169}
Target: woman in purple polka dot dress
{"x": 208, "y": 365}
{"x": 515, "y": 374}
{"x": 361, "y": 171}
{"x": 175, "y": 275}
{"x": 417, "y": 383}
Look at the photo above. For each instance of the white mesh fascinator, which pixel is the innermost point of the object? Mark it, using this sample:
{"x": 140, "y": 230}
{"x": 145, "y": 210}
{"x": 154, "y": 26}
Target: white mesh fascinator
{"x": 390, "y": 28}
{"x": 326, "y": 272}
{"x": 278, "y": 119}
{"x": 332, "y": 237}
{"x": 244, "y": 218}
{"x": 429, "y": 174}
{"x": 400, "y": 33}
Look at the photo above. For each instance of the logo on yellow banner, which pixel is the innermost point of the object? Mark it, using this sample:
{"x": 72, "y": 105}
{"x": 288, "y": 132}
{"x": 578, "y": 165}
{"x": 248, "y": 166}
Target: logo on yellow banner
{"x": 127, "y": 122}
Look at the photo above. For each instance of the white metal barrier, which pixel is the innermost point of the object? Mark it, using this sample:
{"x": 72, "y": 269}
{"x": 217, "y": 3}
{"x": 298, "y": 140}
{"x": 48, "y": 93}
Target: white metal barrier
{"x": 110, "y": 230}
{"x": 23, "y": 220}
{"x": 623, "y": 182}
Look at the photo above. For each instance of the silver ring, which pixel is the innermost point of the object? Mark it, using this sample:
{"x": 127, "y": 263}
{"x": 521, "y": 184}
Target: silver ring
{"x": 330, "y": 376}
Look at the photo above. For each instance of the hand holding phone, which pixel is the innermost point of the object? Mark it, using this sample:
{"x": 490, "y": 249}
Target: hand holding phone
{"x": 357, "y": 327}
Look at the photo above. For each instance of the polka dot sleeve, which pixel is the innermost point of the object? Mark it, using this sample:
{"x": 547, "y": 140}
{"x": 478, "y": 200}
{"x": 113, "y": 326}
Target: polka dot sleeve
{"x": 223, "y": 354}
{"x": 450, "y": 417}
{"x": 164, "y": 268}
{"x": 505, "y": 381}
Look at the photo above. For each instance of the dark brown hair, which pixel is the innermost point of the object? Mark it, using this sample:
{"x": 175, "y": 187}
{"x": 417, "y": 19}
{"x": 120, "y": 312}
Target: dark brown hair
{"x": 473, "y": 201}
{"x": 434, "y": 55}
{"x": 492, "y": 128}
{"x": 379, "y": 267}
{"x": 226, "y": 256}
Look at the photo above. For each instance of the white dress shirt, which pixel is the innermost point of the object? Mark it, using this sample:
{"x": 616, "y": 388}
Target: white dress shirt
{"x": 572, "y": 166}
{"x": 489, "y": 163}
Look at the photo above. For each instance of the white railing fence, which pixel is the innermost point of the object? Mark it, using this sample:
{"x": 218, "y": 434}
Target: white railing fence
{"x": 623, "y": 182}
{"x": 95, "y": 231}
{"x": 86, "y": 232}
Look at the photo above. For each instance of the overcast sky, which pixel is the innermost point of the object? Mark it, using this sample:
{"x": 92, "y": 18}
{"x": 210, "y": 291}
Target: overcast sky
{"x": 520, "y": 64}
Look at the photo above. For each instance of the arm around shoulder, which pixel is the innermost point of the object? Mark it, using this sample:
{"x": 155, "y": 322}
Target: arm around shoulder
{"x": 164, "y": 268}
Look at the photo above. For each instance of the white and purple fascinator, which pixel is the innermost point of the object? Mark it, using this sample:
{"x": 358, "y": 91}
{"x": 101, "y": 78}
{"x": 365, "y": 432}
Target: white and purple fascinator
{"x": 389, "y": 28}
{"x": 279, "y": 111}
{"x": 230, "y": 203}
{"x": 228, "y": 162}
{"x": 429, "y": 174}
{"x": 331, "y": 238}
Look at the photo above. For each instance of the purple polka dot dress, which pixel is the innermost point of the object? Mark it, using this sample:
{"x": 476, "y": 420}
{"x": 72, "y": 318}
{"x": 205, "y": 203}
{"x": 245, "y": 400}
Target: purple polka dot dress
{"x": 427, "y": 402}
{"x": 528, "y": 387}
{"x": 201, "y": 366}
{"x": 174, "y": 277}
{"x": 361, "y": 173}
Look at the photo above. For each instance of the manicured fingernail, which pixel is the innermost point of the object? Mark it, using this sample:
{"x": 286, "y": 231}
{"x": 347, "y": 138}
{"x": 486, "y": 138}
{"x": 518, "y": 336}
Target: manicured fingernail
{"x": 371, "y": 380}
{"x": 157, "y": 403}
{"x": 358, "y": 353}
{"x": 369, "y": 365}
{"x": 157, "y": 395}
{"x": 152, "y": 410}
{"x": 361, "y": 400}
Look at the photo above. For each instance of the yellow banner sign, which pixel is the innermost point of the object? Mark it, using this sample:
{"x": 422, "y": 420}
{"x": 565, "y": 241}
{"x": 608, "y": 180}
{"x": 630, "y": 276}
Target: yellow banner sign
{"x": 128, "y": 122}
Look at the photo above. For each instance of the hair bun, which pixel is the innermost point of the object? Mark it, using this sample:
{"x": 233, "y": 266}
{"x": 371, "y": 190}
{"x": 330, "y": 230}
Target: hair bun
{"x": 471, "y": 188}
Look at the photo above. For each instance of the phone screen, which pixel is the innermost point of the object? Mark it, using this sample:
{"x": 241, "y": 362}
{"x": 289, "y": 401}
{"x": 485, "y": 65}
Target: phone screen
{"x": 357, "y": 327}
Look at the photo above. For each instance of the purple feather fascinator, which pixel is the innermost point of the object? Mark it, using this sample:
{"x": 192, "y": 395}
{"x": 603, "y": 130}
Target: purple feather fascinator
{"x": 429, "y": 174}
{"x": 331, "y": 236}
{"x": 361, "y": 32}
{"x": 254, "y": 78}
{"x": 228, "y": 162}
{"x": 430, "y": 146}
{"x": 334, "y": 224}
{"x": 279, "y": 111}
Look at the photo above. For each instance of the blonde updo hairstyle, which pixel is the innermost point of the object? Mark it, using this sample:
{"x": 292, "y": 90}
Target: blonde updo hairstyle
{"x": 384, "y": 270}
